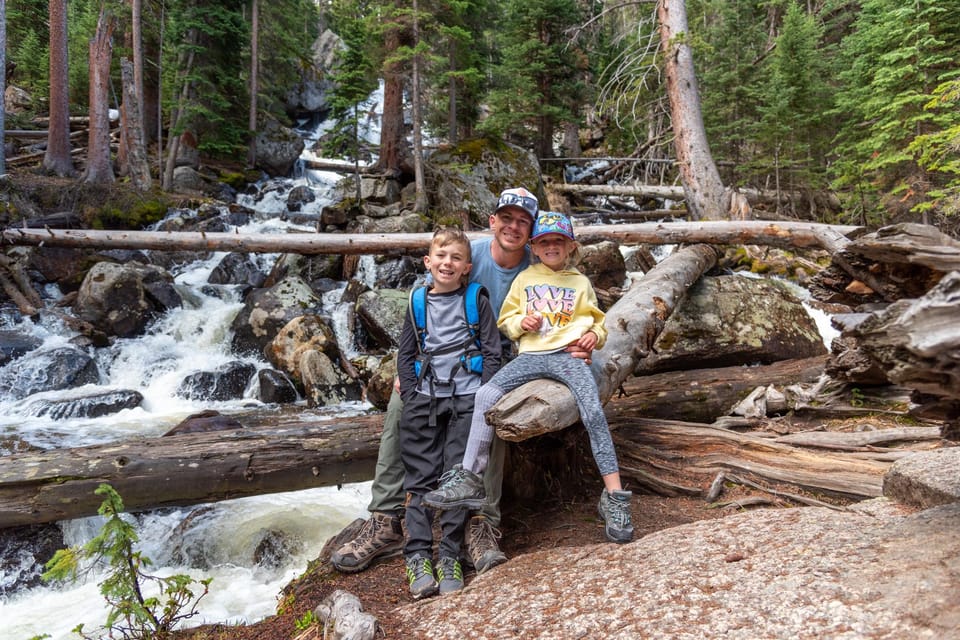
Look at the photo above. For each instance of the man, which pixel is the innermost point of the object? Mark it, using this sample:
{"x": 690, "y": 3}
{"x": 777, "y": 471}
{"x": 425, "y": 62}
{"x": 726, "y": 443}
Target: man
{"x": 496, "y": 262}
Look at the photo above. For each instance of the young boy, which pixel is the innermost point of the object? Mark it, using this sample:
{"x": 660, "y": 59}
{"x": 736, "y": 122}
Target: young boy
{"x": 450, "y": 329}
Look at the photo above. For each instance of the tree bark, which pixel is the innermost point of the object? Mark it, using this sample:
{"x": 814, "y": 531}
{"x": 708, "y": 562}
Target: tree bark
{"x": 186, "y": 469}
{"x": 57, "y": 159}
{"x": 633, "y": 324}
{"x": 254, "y": 83}
{"x": 420, "y": 202}
{"x": 138, "y": 165}
{"x": 721, "y": 233}
{"x": 701, "y": 180}
{"x": 99, "y": 167}
{"x": 3, "y": 85}
{"x": 391, "y": 126}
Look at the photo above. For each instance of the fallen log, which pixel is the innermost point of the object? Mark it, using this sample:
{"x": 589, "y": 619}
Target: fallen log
{"x": 707, "y": 232}
{"x": 186, "y": 469}
{"x": 687, "y": 448}
{"x": 632, "y": 324}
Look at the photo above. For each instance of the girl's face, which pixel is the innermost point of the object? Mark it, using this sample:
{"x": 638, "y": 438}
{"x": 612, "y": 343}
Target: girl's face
{"x": 553, "y": 250}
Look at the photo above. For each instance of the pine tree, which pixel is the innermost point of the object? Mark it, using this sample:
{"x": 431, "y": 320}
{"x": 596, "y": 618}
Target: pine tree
{"x": 894, "y": 60}
{"x": 538, "y": 80}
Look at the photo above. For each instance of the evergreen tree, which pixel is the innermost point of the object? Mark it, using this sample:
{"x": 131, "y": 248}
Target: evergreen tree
{"x": 892, "y": 63}
{"x": 538, "y": 78}
{"x": 793, "y": 107}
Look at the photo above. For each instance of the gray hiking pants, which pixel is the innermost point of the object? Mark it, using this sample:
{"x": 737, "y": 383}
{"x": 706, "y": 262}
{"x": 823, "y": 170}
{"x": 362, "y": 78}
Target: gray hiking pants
{"x": 387, "y": 495}
{"x": 559, "y": 366}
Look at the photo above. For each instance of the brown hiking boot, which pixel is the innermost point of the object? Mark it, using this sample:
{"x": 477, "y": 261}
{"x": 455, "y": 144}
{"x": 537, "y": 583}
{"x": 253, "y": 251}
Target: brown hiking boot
{"x": 380, "y": 537}
{"x": 482, "y": 545}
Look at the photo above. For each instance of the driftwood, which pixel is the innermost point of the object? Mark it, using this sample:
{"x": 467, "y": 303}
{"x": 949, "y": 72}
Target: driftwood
{"x": 632, "y": 324}
{"x": 910, "y": 244}
{"x": 687, "y": 448}
{"x": 186, "y": 469}
{"x": 707, "y": 232}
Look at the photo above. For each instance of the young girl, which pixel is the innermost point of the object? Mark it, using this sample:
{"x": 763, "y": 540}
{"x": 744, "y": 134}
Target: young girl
{"x": 549, "y": 306}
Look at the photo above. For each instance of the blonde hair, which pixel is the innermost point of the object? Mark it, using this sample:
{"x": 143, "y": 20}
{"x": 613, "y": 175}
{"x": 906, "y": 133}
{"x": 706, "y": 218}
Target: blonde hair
{"x": 445, "y": 236}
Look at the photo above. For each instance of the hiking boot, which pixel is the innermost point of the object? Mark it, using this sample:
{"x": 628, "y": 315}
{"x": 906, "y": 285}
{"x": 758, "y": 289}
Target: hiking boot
{"x": 380, "y": 537}
{"x": 450, "y": 575}
{"x": 482, "y": 546}
{"x": 458, "y": 488}
{"x": 420, "y": 577}
{"x": 614, "y": 510}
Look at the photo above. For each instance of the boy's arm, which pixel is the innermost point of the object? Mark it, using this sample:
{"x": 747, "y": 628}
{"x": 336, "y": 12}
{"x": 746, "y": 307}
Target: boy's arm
{"x": 490, "y": 343}
{"x": 406, "y": 356}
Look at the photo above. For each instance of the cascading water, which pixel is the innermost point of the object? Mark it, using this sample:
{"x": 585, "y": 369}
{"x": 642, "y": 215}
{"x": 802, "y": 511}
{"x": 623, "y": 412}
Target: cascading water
{"x": 250, "y": 547}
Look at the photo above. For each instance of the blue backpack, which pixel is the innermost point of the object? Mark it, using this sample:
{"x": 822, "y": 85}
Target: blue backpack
{"x": 471, "y": 359}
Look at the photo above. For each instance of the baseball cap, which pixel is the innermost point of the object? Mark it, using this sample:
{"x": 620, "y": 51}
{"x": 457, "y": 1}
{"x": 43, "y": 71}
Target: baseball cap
{"x": 552, "y": 222}
{"x": 521, "y": 198}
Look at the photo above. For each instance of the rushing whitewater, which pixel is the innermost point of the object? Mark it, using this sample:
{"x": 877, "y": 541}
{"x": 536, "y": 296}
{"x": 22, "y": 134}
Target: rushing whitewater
{"x": 250, "y": 547}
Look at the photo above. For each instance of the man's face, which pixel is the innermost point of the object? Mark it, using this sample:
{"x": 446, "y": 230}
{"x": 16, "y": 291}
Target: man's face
{"x": 511, "y": 228}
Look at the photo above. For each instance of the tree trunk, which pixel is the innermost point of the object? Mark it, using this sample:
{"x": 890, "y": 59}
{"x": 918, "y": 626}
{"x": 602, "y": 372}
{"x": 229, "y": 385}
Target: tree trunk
{"x": 99, "y": 167}
{"x": 391, "y": 125}
{"x": 57, "y": 159}
{"x": 420, "y": 203}
{"x": 186, "y": 469}
{"x": 633, "y": 324}
{"x": 254, "y": 83}
{"x": 721, "y": 233}
{"x": 173, "y": 142}
{"x": 3, "y": 86}
{"x": 136, "y": 26}
{"x": 138, "y": 165}
{"x": 701, "y": 180}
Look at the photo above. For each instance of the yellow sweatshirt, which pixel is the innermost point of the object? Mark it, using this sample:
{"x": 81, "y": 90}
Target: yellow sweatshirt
{"x": 566, "y": 301}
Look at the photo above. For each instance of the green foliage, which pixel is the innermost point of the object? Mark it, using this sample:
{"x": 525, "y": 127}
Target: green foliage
{"x": 307, "y": 620}
{"x": 140, "y": 605}
{"x": 538, "y": 80}
{"x": 892, "y": 62}
{"x": 939, "y": 153}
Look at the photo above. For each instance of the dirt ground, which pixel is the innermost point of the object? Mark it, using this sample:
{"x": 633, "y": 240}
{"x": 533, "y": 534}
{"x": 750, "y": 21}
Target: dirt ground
{"x": 382, "y": 587}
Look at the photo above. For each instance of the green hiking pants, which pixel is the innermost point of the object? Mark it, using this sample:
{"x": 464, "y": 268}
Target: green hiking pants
{"x": 387, "y": 494}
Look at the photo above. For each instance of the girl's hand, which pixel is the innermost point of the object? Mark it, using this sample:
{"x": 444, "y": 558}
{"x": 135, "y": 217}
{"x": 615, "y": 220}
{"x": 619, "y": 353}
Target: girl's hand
{"x": 531, "y": 323}
{"x": 587, "y": 341}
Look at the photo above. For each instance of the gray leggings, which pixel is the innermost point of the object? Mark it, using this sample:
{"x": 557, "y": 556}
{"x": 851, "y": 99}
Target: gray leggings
{"x": 559, "y": 366}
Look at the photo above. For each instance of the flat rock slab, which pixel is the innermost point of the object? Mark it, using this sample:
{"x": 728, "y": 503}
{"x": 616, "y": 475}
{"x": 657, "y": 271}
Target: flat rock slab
{"x": 926, "y": 478}
{"x": 799, "y": 573}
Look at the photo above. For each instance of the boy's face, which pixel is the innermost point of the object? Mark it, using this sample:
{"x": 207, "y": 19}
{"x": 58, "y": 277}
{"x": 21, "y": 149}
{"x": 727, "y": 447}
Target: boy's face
{"x": 449, "y": 266}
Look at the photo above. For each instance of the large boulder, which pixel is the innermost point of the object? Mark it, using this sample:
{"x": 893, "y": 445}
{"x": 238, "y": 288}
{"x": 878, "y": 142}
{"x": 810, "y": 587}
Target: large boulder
{"x": 469, "y": 176}
{"x": 266, "y": 311}
{"x": 303, "y": 333}
{"x": 48, "y": 370}
{"x": 381, "y": 313}
{"x": 121, "y": 299}
{"x": 727, "y": 321}
{"x": 324, "y": 382}
{"x": 278, "y": 149}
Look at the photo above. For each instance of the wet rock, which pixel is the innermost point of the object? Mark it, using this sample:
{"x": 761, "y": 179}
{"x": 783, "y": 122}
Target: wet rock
{"x": 204, "y": 422}
{"x": 91, "y": 406}
{"x": 382, "y": 314}
{"x": 276, "y": 387}
{"x": 14, "y": 344}
{"x": 50, "y": 370}
{"x": 324, "y": 383}
{"x": 278, "y": 149}
{"x": 227, "y": 383}
{"x": 23, "y": 553}
{"x": 299, "y": 196}
{"x": 266, "y": 311}
{"x": 123, "y": 299}
{"x": 237, "y": 268}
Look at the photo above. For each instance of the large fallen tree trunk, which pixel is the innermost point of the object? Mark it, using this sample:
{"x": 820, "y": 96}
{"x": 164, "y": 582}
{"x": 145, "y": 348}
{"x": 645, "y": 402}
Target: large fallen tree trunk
{"x": 779, "y": 234}
{"x": 632, "y": 324}
{"x": 186, "y": 469}
{"x": 686, "y": 448}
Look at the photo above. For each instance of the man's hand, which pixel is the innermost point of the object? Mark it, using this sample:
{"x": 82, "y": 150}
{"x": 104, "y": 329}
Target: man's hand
{"x": 577, "y": 351}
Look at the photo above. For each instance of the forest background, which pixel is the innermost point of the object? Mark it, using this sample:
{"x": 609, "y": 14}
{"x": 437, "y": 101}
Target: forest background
{"x": 858, "y": 99}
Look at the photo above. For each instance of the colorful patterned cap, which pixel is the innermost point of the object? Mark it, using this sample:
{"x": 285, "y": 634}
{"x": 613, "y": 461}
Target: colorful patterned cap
{"x": 519, "y": 198}
{"x": 552, "y": 222}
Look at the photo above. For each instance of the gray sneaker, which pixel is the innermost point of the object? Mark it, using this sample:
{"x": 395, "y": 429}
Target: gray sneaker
{"x": 482, "y": 545}
{"x": 458, "y": 488}
{"x": 420, "y": 576}
{"x": 614, "y": 509}
{"x": 380, "y": 537}
{"x": 450, "y": 575}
